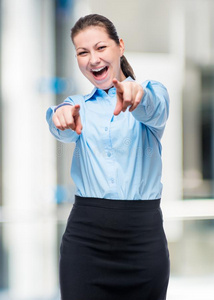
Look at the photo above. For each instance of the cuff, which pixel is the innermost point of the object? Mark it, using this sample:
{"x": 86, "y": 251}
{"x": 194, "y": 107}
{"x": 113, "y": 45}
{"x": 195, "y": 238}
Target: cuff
{"x": 62, "y": 104}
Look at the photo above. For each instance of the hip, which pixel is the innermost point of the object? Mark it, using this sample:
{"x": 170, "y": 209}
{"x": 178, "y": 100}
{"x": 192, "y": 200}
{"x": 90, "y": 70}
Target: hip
{"x": 106, "y": 225}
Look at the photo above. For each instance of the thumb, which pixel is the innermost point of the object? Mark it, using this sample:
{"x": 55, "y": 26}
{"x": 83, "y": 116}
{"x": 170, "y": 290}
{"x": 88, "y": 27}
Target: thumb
{"x": 77, "y": 119}
{"x": 78, "y": 124}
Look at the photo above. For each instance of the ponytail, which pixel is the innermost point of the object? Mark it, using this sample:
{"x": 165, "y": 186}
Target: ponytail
{"x": 126, "y": 68}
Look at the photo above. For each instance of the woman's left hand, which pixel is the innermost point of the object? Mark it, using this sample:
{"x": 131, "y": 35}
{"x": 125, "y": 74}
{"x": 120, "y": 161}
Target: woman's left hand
{"x": 129, "y": 94}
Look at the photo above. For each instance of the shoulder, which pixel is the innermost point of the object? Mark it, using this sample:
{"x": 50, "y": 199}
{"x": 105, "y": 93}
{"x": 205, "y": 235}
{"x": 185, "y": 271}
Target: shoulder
{"x": 79, "y": 99}
{"x": 156, "y": 89}
{"x": 153, "y": 83}
{"x": 74, "y": 99}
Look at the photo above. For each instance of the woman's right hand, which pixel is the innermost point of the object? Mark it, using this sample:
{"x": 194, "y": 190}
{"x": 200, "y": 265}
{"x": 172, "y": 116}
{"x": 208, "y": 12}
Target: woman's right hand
{"x": 68, "y": 117}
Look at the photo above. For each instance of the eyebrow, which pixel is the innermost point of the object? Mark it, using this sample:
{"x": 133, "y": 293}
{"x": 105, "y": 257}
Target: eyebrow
{"x": 86, "y": 48}
{"x": 81, "y": 48}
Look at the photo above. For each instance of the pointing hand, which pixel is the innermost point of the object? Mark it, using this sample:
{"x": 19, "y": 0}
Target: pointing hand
{"x": 129, "y": 94}
{"x": 68, "y": 117}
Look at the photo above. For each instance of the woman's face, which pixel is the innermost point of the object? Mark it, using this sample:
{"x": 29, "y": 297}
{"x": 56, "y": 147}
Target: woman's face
{"x": 98, "y": 56}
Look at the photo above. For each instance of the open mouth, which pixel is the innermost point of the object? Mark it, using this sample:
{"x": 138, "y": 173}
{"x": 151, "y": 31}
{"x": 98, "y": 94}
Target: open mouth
{"x": 98, "y": 73}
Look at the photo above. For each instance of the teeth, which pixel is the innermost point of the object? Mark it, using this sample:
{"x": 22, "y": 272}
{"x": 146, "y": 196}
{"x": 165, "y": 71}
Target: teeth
{"x": 97, "y": 70}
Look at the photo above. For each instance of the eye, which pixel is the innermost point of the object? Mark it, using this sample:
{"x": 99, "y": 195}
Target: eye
{"x": 101, "y": 47}
{"x": 82, "y": 53}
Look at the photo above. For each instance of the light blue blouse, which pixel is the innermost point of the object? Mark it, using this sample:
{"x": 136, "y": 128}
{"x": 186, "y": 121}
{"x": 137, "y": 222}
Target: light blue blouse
{"x": 117, "y": 157}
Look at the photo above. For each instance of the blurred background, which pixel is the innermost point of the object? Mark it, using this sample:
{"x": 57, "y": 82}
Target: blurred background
{"x": 167, "y": 40}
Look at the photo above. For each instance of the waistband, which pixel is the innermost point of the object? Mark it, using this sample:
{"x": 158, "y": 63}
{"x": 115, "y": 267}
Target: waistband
{"x": 117, "y": 204}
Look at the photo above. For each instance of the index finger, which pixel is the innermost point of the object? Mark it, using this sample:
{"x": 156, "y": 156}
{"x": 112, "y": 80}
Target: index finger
{"x": 117, "y": 84}
{"x": 76, "y": 110}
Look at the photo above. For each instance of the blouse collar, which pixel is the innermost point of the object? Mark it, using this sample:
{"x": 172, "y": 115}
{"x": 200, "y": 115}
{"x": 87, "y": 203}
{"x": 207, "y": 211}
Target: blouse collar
{"x": 95, "y": 89}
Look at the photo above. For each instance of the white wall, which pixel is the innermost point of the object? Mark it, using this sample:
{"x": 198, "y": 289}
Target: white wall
{"x": 28, "y": 149}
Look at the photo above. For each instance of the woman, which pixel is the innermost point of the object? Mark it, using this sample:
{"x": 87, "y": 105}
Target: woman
{"x": 114, "y": 246}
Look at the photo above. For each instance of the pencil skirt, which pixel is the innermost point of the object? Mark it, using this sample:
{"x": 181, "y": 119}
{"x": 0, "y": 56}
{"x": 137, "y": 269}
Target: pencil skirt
{"x": 114, "y": 250}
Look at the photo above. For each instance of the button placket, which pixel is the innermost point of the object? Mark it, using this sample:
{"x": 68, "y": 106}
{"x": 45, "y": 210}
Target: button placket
{"x": 109, "y": 151}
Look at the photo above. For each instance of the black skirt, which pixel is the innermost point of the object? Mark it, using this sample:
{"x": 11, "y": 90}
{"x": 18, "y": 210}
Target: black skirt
{"x": 114, "y": 250}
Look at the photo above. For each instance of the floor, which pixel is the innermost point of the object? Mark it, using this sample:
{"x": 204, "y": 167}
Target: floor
{"x": 191, "y": 288}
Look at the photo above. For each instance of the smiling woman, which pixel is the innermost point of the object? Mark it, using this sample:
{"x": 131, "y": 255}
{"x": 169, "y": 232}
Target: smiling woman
{"x": 114, "y": 246}
{"x": 99, "y": 56}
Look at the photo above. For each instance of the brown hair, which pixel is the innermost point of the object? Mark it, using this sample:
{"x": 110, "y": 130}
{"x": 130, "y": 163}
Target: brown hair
{"x": 98, "y": 20}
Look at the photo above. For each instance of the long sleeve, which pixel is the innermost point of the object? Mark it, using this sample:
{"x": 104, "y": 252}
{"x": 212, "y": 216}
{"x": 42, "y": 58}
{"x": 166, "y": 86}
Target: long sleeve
{"x": 153, "y": 110}
{"x": 66, "y": 136}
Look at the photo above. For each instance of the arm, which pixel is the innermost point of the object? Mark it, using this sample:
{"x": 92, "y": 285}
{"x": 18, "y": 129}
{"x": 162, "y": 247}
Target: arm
{"x": 153, "y": 110}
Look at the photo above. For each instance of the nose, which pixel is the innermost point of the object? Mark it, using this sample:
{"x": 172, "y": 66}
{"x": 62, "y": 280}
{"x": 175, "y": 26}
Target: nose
{"x": 94, "y": 58}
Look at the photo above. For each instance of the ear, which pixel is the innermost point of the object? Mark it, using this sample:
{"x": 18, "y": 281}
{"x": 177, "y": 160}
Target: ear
{"x": 122, "y": 47}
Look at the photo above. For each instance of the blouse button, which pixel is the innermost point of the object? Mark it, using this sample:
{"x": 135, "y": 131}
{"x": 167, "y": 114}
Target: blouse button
{"x": 109, "y": 154}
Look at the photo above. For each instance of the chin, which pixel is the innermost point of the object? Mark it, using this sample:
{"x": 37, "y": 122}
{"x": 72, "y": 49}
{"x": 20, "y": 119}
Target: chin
{"x": 104, "y": 86}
